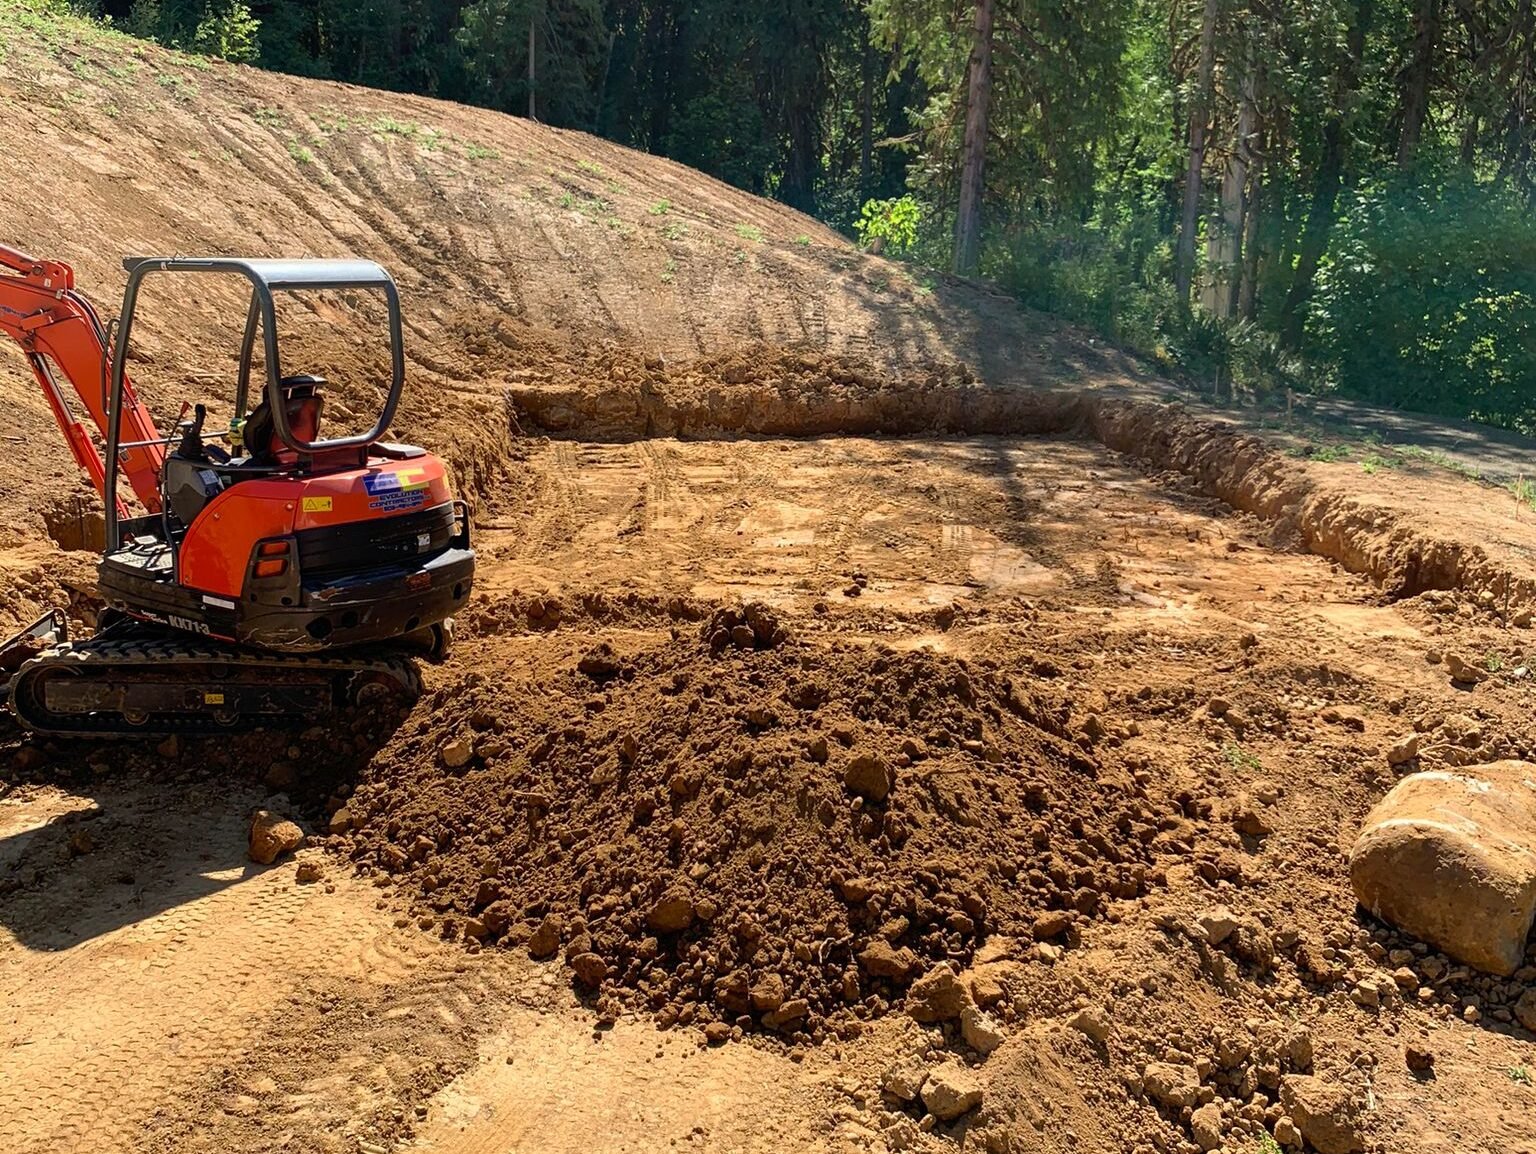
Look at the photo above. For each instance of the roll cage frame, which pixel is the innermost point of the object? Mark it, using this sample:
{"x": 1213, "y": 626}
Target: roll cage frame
{"x": 266, "y": 277}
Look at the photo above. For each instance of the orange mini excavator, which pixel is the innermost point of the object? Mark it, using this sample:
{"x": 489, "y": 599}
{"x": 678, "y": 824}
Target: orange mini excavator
{"x": 270, "y": 581}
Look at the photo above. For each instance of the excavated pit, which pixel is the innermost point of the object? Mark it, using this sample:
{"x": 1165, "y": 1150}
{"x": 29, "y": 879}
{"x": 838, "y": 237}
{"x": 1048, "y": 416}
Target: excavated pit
{"x": 778, "y": 393}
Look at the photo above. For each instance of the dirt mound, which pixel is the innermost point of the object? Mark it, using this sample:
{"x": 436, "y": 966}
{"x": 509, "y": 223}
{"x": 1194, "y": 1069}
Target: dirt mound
{"x": 782, "y": 836}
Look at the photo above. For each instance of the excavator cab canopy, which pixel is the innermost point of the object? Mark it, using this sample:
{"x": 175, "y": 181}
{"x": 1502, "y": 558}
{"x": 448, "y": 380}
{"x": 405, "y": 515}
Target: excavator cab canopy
{"x": 266, "y": 277}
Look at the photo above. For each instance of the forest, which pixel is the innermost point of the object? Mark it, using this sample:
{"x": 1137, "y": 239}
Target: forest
{"x": 1254, "y": 195}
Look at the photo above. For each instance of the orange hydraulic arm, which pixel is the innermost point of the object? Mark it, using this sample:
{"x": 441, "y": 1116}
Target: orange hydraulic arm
{"x": 60, "y": 332}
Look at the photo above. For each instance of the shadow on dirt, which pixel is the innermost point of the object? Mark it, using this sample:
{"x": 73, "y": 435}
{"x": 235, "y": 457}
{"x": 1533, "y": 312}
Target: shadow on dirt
{"x": 105, "y": 836}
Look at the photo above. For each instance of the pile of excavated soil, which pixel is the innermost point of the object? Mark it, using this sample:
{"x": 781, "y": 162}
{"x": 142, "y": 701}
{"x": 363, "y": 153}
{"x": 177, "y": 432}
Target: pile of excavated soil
{"x": 739, "y": 828}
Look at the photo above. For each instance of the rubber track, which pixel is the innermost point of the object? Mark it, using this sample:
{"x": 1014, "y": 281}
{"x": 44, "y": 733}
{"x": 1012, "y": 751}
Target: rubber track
{"x": 185, "y": 653}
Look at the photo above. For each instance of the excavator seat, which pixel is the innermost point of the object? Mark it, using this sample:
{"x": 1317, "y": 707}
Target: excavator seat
{"x": 304, "y": 400}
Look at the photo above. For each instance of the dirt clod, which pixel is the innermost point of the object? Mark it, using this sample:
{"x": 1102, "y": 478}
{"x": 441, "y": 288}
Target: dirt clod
{"x": 869, "y": 777}
{"x": 1324, "y": 1112}
{"x": 937, "y": 996}
{"x": 272, "y": 836}
{"x": 1171, "y": 1084}
{"x": 951, "y": 1090}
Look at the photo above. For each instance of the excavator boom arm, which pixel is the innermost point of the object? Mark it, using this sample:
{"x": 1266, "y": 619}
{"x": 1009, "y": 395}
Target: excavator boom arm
{"x": 60, "y": 333}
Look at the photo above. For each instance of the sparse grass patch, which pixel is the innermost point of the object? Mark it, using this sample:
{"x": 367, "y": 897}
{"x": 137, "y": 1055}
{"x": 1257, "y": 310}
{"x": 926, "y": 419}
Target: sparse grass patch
{"x": 1521, "y": 1074}
{"x": 1493, "y": 662}
{"x": 389, "y": 126}
{"x": 1239, "y": 758}
{"x": 178, "y": 86}
{"x": 300, "y": 153}
{"x": 1374, "y": 462}
{"x": 750, "y": 232}
{"x": 675, "y": 231}
{"x": 271, "y": 117}
{"x": 480, "y": 152}
{"x": 591, "y": 168}
{"x": 1328, "y": 454}
{"x": 668, "y": 271}
{"x": 661, "y": 207}
{"x": 803, "y": 241}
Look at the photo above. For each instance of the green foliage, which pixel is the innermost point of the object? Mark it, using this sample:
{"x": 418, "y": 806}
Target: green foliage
{"x": 750, "y": 232}
{"x": 569, "y": 47}
{"x": 1239, "y": 758}
{"x": 890, "y": 224}
{"x": 227, "y": 30}
{"x": 224, "y": 28}
{"x": 1428, "y": 300}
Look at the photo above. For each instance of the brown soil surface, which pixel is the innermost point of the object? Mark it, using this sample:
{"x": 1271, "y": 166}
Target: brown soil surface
{"x": 1038, "y": 681}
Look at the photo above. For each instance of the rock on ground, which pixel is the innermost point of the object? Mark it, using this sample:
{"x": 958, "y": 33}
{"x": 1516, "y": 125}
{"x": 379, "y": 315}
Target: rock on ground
{"x": 1205, "y": 1126}
{"x": 938, "y": 996}
{"x": 1324, "y": 1113}
{"x": 1171, "y": 1084}
{"x": 951, "y": 1090}
{"x": 1451, "y": 858}
{"x": 1525, "y": 1010}
{"x": 980, "y": 1032}
{"x": 273, "y": 836}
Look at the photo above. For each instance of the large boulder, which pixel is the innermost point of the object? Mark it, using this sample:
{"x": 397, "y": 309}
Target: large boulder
{"x": 1450, "y": 857}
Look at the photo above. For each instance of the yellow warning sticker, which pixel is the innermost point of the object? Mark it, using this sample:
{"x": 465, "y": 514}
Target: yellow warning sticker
{"x": 317, "y": 504}
{"x": 213, "y": 699}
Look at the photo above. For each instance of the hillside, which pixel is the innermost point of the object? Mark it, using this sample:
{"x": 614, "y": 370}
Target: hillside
{"x": 519, "y": 249}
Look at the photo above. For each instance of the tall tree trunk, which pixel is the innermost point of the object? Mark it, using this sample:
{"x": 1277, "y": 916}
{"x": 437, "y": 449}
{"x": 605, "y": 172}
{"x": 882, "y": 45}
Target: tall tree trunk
{"x": 1325, "y": 190}
{"x": 533, "y": 112}
{"x": 1184, "y": 258}
{"x": 974, "y": 158}
{"x": 1469, "y": 141}
{"x": 1224, "y": 250}
{"x": 1248, "y": 283}
{"x": 799, "y": 188}
{"x": 867, "y": 118}
{"x": 1417, "y": 79}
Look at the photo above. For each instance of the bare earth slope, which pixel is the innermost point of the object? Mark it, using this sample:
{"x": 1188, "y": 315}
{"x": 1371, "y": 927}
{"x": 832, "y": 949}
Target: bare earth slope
{"x": 496, "y": 228}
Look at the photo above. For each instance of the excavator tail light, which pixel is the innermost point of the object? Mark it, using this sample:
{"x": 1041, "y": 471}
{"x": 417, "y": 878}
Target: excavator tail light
{"x": 272, "y": 568}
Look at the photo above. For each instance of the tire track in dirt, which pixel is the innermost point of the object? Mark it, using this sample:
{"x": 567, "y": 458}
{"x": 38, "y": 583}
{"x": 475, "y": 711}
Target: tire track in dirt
{"x": 184, "y": 989}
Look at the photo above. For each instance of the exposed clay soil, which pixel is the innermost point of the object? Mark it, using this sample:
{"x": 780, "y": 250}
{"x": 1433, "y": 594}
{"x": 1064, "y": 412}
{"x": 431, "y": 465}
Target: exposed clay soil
{"x": 785, "y": 835}
{"x": 862, "y": 674}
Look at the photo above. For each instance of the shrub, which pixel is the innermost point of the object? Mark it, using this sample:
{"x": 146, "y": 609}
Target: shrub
{"x": 1428, "y": 301}
{"x": 889, "y": 226}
